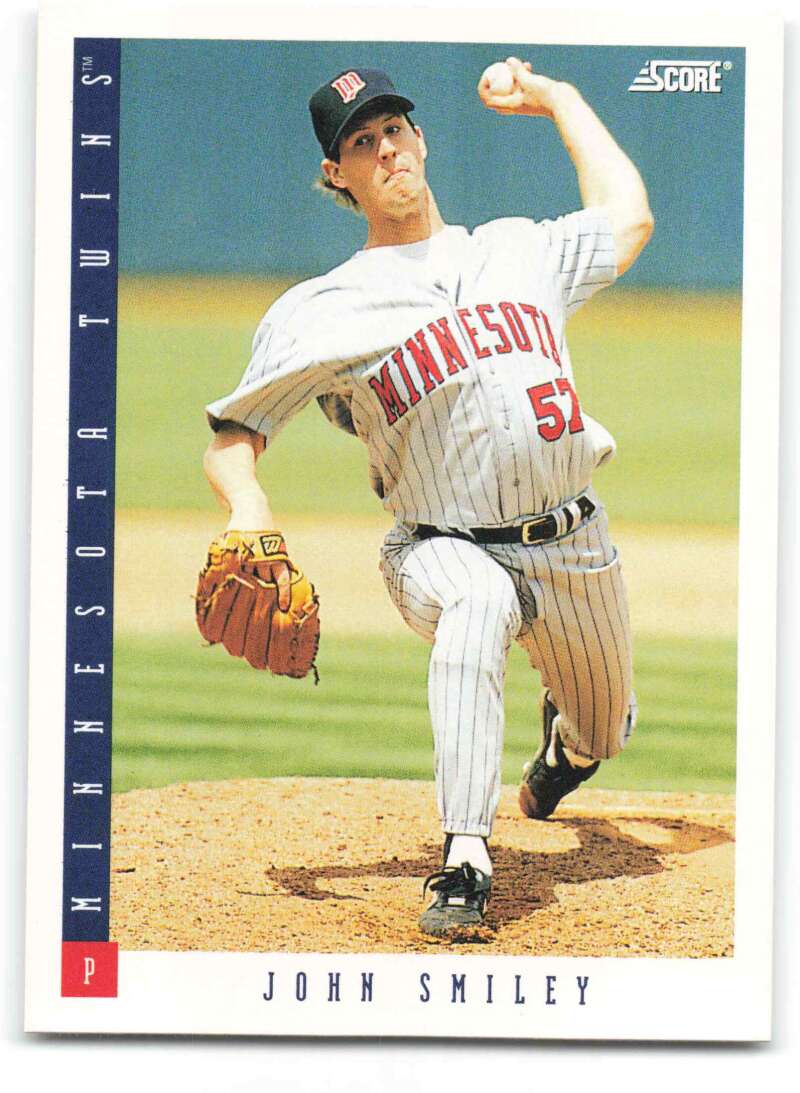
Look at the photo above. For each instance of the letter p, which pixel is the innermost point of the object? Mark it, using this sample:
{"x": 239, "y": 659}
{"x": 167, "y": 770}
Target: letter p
{"x": 89, "y": 969}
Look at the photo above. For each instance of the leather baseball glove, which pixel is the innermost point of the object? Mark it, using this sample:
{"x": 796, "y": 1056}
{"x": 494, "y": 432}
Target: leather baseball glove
{"x": 237, "y": 604}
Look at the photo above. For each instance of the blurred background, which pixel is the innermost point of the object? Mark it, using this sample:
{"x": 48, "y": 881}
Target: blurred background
{"x": 218, "y": 153}
{"x": 218, "y": 216}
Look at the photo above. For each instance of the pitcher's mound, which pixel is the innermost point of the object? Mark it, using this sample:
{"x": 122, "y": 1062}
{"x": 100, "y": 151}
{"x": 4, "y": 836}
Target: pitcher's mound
{"x": 336, "y": 866}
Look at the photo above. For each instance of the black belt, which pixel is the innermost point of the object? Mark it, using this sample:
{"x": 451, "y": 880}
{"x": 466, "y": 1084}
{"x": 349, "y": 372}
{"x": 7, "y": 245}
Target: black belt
{"x": 538, "y": 530}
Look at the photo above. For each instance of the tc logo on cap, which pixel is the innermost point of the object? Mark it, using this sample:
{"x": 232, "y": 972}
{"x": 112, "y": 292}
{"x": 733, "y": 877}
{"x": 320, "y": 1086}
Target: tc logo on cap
{"x": 348, "y": 86}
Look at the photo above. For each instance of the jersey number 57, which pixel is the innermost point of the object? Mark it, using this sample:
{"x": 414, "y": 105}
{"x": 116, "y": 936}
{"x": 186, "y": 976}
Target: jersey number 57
{"x": 549, "y": 414}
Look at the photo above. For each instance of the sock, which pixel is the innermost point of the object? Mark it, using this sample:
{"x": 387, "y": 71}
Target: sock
{"x": 471, "y": 848}
{"x": 572, "y": 757}
{"x": 578, "y": 760}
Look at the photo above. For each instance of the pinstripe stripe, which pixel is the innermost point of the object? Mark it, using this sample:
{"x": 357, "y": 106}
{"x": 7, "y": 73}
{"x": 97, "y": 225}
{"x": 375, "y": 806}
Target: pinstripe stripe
{"x": 598, "y": 653}
{"x": 461, "y": 689}
{"x": 609, "y": 638}
{"x": 478, "y": 475}
{"x": 563, "y": 633}
{"x": 595, "y": 266}
{"x": 480, "y": 756}
{"x": 612, "y": 629}
{"x": 578, "y": 614}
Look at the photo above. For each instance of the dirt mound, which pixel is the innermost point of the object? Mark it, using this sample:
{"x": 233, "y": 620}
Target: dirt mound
{"x": 336, "y": 866}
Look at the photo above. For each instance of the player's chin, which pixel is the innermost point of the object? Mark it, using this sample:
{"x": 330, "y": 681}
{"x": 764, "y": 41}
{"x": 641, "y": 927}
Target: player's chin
{"x": 400, "y": 183}
{"x": 402, "y": 192}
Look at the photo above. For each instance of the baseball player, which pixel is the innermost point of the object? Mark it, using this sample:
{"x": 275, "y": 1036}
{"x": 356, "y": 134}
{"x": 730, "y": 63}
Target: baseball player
{"x": 444, "y": 351}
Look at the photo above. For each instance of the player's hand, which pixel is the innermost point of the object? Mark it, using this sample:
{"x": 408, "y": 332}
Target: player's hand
{"x": 531, "y": 94}
{"x": 280, "y": 573}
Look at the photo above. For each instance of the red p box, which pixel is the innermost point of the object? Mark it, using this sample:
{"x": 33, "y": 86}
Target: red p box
{"x": 89, "y": 969}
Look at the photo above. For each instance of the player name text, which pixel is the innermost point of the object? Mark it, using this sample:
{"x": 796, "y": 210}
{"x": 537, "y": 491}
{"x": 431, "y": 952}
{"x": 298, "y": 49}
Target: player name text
{"x": 454, "y": 988}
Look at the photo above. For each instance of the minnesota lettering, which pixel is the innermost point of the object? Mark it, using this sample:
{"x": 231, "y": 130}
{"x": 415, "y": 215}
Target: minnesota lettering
{"x": 420, "y": 364}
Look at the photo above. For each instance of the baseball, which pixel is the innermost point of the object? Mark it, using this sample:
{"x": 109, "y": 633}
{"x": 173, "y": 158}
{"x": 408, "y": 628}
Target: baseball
{"x": 499, "y": 77}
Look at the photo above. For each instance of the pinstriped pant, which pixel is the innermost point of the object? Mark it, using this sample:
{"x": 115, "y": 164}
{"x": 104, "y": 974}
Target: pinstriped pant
{"x": 564, "y": 601}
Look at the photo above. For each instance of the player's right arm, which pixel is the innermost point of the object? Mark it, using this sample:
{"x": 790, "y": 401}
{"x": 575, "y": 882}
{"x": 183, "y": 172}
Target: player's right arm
{"x": 230, "y": 466}
{"x": 607, "y": 178}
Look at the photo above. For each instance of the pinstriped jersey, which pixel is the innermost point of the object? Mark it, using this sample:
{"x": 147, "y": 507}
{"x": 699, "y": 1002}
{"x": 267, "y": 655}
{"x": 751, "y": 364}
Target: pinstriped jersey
{"x": 448, "y": 359}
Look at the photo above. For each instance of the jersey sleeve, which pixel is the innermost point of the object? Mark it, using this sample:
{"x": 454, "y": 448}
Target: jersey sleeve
{"x": 280, "y": 379}
{"x": 583, "y": 254}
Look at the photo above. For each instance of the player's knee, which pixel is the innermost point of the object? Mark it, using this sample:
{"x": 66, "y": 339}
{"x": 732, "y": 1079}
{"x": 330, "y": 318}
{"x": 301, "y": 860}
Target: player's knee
{"x": 494, "y": 599}
{"x": 620, "y": 730}
{"x": 474, "y": 632}
{"x": 488, "y": 600}
{"x": 596, "y": 738}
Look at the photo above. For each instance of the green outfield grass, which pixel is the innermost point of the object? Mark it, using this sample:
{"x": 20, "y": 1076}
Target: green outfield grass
{"x": 660, "y": 371}
{"x": 186, "y": 713}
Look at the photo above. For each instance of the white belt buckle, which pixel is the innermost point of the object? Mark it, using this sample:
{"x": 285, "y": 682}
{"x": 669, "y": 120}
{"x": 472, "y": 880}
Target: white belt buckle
{"x": 576, "y": 512}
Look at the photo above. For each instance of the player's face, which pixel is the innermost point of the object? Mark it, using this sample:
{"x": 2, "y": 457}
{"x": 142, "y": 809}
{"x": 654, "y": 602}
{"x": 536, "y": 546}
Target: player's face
{"x": 382, "y": 164}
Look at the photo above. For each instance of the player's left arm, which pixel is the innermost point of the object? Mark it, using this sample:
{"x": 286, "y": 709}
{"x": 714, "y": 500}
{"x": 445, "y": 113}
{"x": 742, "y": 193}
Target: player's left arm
{"x": 606, "y": 176}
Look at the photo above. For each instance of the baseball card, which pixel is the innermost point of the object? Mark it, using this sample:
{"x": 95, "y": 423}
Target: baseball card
{"x": 405, "y": 411}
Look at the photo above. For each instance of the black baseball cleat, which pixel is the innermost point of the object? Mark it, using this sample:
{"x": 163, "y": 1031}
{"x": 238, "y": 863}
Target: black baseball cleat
{"x": 462, "y": 892}
{"x": 544, "y": 784}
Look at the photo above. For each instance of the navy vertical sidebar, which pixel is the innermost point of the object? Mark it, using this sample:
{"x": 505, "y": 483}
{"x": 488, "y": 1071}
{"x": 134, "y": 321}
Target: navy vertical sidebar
{"x": 90, "y": 533}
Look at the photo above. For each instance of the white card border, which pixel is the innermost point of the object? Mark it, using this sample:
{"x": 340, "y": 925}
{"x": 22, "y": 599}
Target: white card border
{"x": 737, "y": 990}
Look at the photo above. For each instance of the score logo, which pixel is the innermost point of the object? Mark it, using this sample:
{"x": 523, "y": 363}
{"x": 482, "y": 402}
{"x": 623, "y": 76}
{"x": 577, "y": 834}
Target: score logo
{"x": 693, "y": 76}
{"x": 89, "y": 969}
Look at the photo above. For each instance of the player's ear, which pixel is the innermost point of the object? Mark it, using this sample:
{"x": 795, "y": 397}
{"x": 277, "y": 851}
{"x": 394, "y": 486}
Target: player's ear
{"x": 423, "y": 147}
{"x": 333, "y": 172}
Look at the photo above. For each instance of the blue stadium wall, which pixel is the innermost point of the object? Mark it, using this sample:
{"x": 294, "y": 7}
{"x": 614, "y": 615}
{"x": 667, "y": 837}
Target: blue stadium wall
{"x": 218, "y": 155}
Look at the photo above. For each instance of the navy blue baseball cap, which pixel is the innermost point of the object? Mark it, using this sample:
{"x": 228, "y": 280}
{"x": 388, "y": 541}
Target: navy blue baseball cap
{"x": 335, "y": 104}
